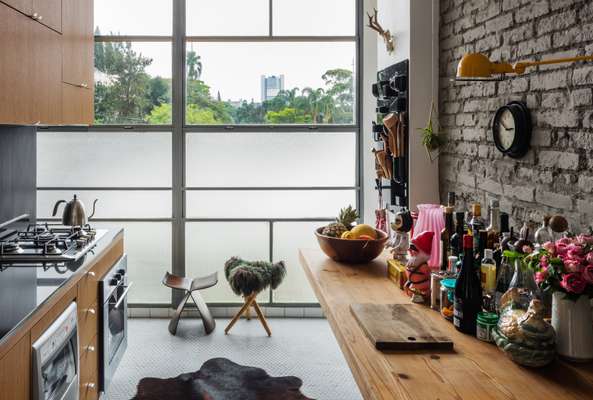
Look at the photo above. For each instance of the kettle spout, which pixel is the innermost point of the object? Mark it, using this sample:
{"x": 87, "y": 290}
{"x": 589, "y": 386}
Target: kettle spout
{"x": 56, "y": 206}
{"x": 94, "y": 206}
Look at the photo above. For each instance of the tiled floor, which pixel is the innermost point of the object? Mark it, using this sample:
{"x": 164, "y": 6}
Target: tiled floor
{"x": 305, "y": 348}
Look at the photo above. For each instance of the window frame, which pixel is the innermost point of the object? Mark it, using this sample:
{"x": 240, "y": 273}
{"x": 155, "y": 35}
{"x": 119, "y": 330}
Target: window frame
{"x": 179, "y": 129}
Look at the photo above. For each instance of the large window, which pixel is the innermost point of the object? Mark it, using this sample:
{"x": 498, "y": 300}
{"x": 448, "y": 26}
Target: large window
{"x": 222, "y": 128}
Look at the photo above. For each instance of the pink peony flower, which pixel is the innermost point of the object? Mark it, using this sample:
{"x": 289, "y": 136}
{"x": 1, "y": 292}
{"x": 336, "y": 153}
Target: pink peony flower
{"x": 588, "y": 273}
{"x": 573, "y": 265}
{"x": 561, "y": 249}
{"x": 527, "y": 249}
{"x": 543, "y": 261}
{"x": 564, "y": 241}
{"x": 585, "y": 239}
{"x": 541, "y": 276}
{"x": 589, "y": 258}
{"x": 573, "y": 283}
{"x": 550, "y": 248}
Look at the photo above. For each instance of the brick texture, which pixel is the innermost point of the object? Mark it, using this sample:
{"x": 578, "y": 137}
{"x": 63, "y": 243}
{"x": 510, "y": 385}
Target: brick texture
{"x": 556, "y": 175}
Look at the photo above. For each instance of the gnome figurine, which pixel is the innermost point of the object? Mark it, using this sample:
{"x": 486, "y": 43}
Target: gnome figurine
{"x": 417, "y": 269}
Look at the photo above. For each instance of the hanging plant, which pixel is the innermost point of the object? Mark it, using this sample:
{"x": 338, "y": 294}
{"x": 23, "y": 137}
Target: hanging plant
{"x": 431, "y": 140}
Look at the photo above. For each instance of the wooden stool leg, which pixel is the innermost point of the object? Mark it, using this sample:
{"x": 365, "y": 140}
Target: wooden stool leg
{"x": 247, "y": 304}
{"x": 248, "y": 313}
{"x": 175, "y": 320}
{"x": 207, "y": 320}
{"x": 261, "y": 317}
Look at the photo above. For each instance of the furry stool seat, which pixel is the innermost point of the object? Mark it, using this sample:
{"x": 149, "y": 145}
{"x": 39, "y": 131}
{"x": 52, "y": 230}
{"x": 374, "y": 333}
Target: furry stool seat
{"x": 248, "y": 279}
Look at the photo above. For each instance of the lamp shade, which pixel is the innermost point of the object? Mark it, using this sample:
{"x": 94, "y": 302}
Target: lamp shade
{"x": 475, "y": 66}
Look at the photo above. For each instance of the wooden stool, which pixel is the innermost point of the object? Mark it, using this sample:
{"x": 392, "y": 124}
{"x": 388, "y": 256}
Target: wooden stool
{"x": 190, "y": 286}
{"x": 249, "y": 302}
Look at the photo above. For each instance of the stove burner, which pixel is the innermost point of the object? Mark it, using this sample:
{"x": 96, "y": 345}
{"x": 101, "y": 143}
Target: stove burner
{"x": 51, "y": 248}
{"x": 10, "y": 248}
{"x": 38, "y": 229}
{"x": 45, "y": 237}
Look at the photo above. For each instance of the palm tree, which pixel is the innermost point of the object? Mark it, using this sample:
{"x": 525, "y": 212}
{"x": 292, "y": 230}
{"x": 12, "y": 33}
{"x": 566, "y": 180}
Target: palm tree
{"x": 194, "y": 65}
{"x": 315, "y": 99}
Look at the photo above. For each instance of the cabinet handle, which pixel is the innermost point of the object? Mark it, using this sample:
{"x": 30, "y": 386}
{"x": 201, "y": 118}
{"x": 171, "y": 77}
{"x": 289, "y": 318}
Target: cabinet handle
{"x": 35, "y": 15}
{"x": 91, "y": 311}
{"x": 90, "y": 348}
{"x": 91, "y": 273}
{"x": 90, "y": 385}
{"x": 39, "y": 18}
{"x": 84, "y": 85}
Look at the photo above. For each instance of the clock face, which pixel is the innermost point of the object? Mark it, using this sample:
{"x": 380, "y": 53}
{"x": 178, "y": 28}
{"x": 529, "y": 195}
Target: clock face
{"x": 506, "y": 129}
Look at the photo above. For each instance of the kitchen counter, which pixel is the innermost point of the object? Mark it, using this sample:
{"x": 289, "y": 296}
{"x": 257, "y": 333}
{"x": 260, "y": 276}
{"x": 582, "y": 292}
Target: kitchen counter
{"x": 25, "y": 289}
{"x": 474, "y": 370}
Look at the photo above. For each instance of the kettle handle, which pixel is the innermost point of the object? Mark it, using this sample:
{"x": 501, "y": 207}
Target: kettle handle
{"x": 94, "y": 205}
{"x": 56, "y": 207}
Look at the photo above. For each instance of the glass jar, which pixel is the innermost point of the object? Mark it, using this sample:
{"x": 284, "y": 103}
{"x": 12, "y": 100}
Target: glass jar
{"x": 523, "y": 279}
{"x": 486, "y": 321}
{"x": 447, "y": 298}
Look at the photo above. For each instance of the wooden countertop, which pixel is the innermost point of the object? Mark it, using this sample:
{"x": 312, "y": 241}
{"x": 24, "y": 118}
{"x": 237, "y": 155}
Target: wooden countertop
{"x": 474, "y": 370}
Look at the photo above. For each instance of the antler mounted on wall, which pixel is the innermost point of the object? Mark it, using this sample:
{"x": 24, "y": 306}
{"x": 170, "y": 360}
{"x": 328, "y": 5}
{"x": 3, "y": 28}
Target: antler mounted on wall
{"x": 385, "y": 34}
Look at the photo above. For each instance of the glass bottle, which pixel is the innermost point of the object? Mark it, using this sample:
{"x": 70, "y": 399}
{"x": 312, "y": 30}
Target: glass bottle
{"x": 457, "y": 237}
{"x": 488, "y": 272}
{"x": 476, "y": 224}
{"x": 446, "y": 234}
{"x": 468, "y": 292}
{"x": 503, "y": 280}
{"x": 494, "y": 228}
{"x": 504, "y": 222}
{"x": 523, "y": 279}
{"x": 544, "y": 233}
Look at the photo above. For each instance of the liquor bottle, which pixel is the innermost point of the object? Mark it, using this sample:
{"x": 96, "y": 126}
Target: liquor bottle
{"x": 504, "y": 222}
{"x": 507, "y": 239}
{"x": 446, "y": 234}
{"x": 544, "y": 233}
{"x": 468, "y": 292}
{"x": 451, "y": 200}
{"x": 482, "y": 244}
{"x": 494, "y": 227}
{"x": 488, "y": 272}
{"x": 476, "y": 224}
{"x": 457, "y": 237}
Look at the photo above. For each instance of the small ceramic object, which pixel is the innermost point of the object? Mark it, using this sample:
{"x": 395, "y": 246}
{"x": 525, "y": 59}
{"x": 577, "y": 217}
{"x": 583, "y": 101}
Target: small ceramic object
{"x": 417, "y": 269}
{"x": 558, "y": 224}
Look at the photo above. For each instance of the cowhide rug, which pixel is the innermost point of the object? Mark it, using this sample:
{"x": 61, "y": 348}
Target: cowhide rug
{"x": 222, "y": 379}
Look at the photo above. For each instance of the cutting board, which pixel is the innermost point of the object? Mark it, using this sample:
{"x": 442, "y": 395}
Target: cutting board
{"x": 399, "y": 327}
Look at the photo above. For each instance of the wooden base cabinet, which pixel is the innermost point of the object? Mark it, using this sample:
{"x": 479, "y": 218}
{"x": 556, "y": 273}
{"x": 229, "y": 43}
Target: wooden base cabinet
{"x": 15, "y": 371}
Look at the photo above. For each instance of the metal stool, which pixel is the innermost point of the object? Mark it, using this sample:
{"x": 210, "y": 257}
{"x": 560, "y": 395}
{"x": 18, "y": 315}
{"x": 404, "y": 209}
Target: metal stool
{"x": 190, "y": 286}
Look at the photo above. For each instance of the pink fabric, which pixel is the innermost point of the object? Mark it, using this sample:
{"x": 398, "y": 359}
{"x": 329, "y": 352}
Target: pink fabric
{"x": 430, "y": 218}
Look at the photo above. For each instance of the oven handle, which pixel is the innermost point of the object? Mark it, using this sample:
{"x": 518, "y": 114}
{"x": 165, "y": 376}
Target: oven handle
{"x": 124, "y": 294}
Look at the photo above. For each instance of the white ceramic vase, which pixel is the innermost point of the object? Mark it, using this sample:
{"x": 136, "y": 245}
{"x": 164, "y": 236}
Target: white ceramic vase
{"x": 573, "y": 323}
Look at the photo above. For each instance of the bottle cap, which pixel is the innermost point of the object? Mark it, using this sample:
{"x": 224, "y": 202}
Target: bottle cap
{"x": 494, "y": 203}
{"x": 449, "y": 210}
{"x": 488, "y": 254}
{"x": 468, "y": 241}
{"x": 476, "y": 209}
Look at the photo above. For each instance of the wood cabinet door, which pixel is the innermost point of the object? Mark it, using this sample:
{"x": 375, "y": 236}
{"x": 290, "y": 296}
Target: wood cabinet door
{"x": 24, "y": 6}
{"x": 15, "y": 371}
{"x": 77, "y": 105}
{"x": 48, "y": 13}
{"x": 30, "y": 70}
{"x": 77, "y": 42}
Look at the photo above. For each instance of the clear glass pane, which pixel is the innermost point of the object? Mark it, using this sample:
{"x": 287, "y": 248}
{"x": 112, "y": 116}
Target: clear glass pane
{"x": 278, "y": 83}
{"x": 209, "y": 244}
{"x": 148, "y": 246}
{"x": 133, "y": 83}
{"x": 270, "y": 159}
{"x": 268, "y": 204}
{"x": 104, "y": 159}
{"x": 314, "y": 17}
{"x": 227, "y": 18}
{"x": 289, "y": 237}
{"x": 110, "y": 204}
{"x": 134, "y": 17}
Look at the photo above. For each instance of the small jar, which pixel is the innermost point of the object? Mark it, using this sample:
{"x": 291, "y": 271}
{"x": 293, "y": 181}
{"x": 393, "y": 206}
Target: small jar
{"x": 447, "y": 298}
{"x": 452, "y": 265}
{"x": 486, "y": 322}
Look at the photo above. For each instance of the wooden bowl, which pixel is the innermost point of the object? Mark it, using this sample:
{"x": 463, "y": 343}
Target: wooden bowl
{"x": 351, "y": 251}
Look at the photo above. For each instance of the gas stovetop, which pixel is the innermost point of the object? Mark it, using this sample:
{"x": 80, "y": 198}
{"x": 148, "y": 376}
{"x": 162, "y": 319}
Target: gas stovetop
{"x": 45, "y": 243}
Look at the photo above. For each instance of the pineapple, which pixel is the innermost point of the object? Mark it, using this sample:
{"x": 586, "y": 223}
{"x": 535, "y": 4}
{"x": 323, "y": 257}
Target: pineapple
{"x": 343, "y": 223}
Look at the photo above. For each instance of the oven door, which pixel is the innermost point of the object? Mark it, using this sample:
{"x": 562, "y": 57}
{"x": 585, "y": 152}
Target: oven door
{"x": 59, "y": 376}
{"x": 115, "y": 328}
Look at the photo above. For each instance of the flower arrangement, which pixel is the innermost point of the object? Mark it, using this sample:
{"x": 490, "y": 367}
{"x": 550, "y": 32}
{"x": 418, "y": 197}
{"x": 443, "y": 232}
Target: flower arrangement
{"x": 565, "y": 265}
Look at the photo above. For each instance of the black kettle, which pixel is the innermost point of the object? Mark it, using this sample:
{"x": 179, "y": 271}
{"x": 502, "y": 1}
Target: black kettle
{"x": 74, "y": 213}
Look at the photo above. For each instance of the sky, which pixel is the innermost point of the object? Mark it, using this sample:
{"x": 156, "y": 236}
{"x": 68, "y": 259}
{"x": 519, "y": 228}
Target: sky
{"x": 234, "y": 69}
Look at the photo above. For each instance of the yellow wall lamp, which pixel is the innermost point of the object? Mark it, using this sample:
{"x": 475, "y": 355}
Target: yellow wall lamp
{"x": 478, "y": 67}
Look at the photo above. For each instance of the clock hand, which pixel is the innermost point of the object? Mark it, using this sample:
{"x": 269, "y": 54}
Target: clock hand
{"x": 504, "y": 125}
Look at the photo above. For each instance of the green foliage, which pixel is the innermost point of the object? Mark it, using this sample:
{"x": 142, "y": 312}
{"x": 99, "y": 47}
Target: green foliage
{"x": 288, "y": 115}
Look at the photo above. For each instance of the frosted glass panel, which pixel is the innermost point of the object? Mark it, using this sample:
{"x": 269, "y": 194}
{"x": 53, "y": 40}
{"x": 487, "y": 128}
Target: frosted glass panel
{"x": 314, "y": 17}
{"x": 268, "y": 204}
{"x": 134, "y": 17}
{"x": 288, "y": 238}
{"x": 209, "y": 244}
{"x": 111, "y": 204}
{"x": 148, "y": 245}
{"x": 227, "y": 17}
{"x": 271, "y": 159}
{"x": 104, "y": 159}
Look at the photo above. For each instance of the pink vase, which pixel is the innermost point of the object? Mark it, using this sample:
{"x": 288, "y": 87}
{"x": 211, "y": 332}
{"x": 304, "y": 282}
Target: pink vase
{"x": 430, "y": 218}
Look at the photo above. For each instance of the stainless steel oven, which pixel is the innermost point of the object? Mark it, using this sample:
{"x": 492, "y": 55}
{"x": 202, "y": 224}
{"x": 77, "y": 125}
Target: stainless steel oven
{"x": 114, "y": 288}
{"x": 55, "y": 359}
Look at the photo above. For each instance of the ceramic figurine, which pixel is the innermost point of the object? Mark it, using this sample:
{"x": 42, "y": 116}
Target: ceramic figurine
{"x": 400, "y": 240}
{"x": 523, "y": 335}
{"x": 417, "y": 269}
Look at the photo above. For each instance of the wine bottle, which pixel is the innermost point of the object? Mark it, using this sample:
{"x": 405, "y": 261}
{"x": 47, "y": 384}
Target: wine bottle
{"x": 494, "y": 227}
{"x": 468, "y": 292}
{"x": 446, "y": 233}
{"x": 488, "y": 272}
{"x": 476, "y": 224}
{"x": 504, "y": 222}
{"x": 457, "y": 237}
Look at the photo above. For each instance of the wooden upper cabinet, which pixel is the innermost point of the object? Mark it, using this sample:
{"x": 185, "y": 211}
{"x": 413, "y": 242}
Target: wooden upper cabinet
{"x": 30, "y": 71}
{"x": 77, "y": 42}
{"x": 48, "y": 13}
{"x": 24, "y": 6}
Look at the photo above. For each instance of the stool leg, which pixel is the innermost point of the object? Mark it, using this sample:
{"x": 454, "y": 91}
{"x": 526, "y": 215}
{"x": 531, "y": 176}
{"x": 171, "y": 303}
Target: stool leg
{"x": 207, "y": 320}
{"x": 250, "y": 299}
{"x": 175, "y": 320}
{"x": 248, "y": 313}
{"x": 261, "y": 317}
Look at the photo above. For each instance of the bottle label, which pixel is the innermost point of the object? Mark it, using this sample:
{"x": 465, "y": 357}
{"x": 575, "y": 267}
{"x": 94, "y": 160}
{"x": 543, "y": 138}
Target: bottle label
{"x": 457, "y": 312}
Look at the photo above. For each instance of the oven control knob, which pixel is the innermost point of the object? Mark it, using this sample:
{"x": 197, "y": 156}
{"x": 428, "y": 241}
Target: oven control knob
{"x": 114, "y": 282}
{"x": 121, "y": 271}
{"x": 117, "y": 276}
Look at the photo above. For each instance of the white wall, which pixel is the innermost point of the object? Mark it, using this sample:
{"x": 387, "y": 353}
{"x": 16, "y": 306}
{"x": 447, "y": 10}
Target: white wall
{"x": 395, "y": 16}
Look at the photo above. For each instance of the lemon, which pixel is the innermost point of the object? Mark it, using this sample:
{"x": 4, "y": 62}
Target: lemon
{"x": 346, "y": 235}
{"x": 363, "y": 229}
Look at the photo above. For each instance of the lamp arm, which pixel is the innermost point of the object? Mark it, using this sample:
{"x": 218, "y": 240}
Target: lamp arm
{"x": 520, "y": 67}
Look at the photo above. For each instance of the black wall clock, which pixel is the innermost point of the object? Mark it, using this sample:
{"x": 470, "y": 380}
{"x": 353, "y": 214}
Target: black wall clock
{"x": 511, "y": 129}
